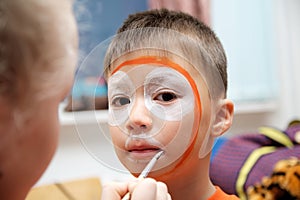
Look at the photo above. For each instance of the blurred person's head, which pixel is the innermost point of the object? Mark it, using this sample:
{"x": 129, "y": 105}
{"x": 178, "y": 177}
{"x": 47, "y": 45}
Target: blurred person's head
{"x": 38, "y": 54}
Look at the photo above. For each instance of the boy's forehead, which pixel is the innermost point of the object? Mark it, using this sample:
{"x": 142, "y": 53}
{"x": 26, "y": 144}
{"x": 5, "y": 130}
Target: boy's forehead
{"x": 139, "y": 65}
{"x": 145, "y": 65}
{"x": 158, "y": 54}
{"x": 138, "y": 73}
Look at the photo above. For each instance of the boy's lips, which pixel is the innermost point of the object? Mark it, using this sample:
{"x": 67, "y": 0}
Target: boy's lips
{"x": 142, "y": 154}
{"x": 142, "y": 150}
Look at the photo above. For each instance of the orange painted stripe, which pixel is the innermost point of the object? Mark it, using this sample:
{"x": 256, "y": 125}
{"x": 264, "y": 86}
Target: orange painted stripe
{"x": 164, "y": 61}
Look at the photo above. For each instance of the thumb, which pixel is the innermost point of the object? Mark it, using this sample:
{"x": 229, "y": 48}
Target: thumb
{"x": 145, "y": 189}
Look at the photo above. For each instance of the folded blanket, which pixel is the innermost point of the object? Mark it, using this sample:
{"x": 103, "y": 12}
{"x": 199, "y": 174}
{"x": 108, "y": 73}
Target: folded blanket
{"x": 245, "y": 159}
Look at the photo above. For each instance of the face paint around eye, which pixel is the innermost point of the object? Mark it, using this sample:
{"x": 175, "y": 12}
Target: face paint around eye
{"x": 120, "y": 92}
{"x": 165, "y": 96}
{"x": 120, "y": 101}
{"x": 168, "y": 95}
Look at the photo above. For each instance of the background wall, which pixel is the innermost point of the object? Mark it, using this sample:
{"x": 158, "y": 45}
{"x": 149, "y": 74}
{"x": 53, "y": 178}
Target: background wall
{"x": 287, "y": 64}
{"x": 73, "y": 160}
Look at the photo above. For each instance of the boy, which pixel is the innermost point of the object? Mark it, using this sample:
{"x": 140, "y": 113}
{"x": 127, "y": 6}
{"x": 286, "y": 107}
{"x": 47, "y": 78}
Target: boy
{"x": 38, "y": 54}
{"x": 167, "y": 85}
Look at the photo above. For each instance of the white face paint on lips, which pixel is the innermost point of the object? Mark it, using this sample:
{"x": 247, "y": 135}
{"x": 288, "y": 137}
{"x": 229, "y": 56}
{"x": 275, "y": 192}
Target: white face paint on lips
{"x": 151, "y": 143}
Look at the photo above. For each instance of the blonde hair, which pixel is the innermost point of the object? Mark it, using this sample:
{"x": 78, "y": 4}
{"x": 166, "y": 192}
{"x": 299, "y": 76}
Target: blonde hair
{"x": 27, "y": 56}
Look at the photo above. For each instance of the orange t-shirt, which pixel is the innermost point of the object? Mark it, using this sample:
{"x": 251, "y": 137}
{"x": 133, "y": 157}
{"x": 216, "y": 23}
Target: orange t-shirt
{"x": 219, "y": 194}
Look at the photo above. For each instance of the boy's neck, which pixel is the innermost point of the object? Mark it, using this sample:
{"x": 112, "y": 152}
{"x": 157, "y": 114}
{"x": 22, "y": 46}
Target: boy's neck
{"x": 12, "y": 192}
{"x": 193, "y": 183}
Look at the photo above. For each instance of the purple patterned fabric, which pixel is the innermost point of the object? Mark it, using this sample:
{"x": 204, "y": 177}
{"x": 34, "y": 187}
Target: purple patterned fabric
{"x": 231, "y": 156}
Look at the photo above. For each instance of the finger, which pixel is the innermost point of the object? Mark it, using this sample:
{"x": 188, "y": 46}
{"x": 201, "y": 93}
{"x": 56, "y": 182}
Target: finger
{"x": 132, "y": 185}
{"x": 113, "y": 191}
{"x": 162, "y": 191}
{"x": 145, "y": 189}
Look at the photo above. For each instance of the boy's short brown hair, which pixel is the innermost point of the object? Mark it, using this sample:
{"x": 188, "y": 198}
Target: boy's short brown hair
{"x": 208, "y": 47}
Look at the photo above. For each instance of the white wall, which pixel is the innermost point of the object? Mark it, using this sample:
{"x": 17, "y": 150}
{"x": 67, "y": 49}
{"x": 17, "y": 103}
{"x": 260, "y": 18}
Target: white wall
{"x": 288, "y": 63}
{"x": 72, "y": 159}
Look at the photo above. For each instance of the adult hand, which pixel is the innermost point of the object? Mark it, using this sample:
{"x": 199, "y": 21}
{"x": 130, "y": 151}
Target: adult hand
{"x": 146, "y": 189}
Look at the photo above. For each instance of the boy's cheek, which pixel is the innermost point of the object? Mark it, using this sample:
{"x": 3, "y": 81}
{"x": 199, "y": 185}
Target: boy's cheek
{"x": 118, "y": 138}
{"x": 168, "y": 133}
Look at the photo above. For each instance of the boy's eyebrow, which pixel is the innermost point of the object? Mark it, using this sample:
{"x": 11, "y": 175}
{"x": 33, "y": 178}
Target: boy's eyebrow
{"x": 117, "y": 87}
{"x": 159, "y": 77}
{"x": 165, "y": 74}
{"x": 163, "y": 79}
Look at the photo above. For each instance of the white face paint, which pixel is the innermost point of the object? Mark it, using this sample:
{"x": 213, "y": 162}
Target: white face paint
{"x": 120, "y": 93}
{"x": 166, "y": 84}
{"x": 161, "y": 86}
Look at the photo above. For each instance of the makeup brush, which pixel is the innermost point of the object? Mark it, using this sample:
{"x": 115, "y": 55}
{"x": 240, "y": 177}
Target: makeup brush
{"x": 146, "y": 171}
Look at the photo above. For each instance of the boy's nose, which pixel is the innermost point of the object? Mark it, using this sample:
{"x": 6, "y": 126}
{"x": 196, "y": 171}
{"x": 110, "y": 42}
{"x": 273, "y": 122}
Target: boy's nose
{"x": 139, "y": 118}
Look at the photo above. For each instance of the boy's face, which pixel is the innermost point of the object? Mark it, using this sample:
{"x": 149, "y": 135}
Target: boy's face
{"x": 155, "y": 104}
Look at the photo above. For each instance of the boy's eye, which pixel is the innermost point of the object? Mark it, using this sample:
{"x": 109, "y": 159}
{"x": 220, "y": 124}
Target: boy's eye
{"x": 120, "y": 101}
{"x": 166, "y": 97}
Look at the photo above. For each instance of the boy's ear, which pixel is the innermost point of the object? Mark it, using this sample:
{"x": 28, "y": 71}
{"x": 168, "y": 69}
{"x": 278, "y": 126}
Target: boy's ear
{"x": 223, "y": 118}
{"x": 223, "y": 121}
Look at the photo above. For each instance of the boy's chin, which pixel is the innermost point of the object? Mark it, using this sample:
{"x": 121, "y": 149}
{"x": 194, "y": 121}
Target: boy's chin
{"x": 158, "y": 172}
{"x": 135, "y": 167}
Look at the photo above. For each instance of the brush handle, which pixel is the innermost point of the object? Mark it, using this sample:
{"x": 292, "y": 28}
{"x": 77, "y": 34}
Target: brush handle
{"x": 146, "y": 171}
{"x": 126, "y": 197}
